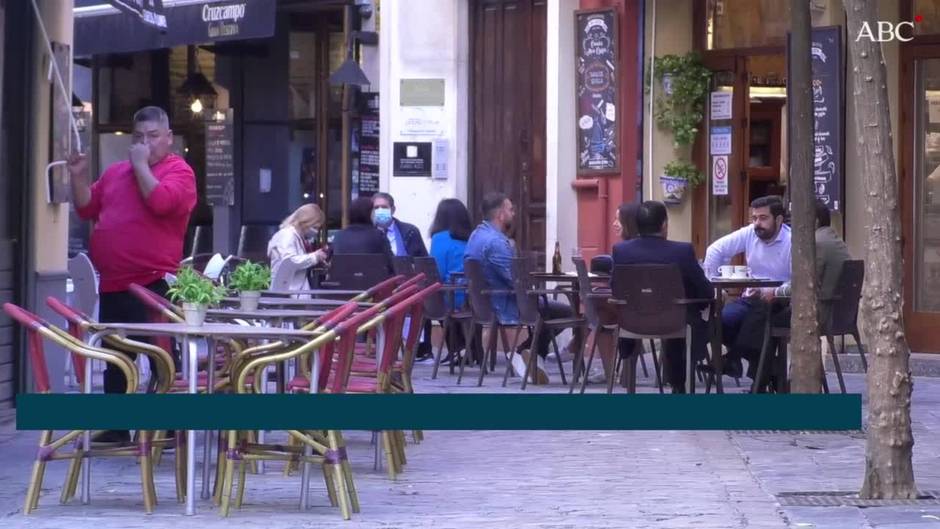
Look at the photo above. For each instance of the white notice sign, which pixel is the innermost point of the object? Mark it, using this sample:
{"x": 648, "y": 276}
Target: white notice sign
{"x": 719, "y": 175}
{"x": 720, "y": 140}
{"x": 933, "y": 109}
{"x": 721, "y": 105}
{"x": 440, "y": 150}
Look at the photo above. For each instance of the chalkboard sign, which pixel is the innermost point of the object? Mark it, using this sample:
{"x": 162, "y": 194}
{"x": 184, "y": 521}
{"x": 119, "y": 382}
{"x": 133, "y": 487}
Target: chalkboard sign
{"x": 369, "y": 145}
{"x": 597, "y": 91}
{"x": 411, "y": 158}
{"x": 220, "y": 161}
{"x": 828, "y": 105}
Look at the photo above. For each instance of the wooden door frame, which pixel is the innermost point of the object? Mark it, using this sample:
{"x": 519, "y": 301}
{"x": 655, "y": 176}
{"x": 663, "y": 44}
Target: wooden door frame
{"x": 737, "y": 175}
{"x": 921, "y": 328}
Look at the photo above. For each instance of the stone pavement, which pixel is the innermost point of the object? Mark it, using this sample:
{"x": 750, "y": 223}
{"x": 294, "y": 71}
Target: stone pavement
{"x": 537, "y": 479}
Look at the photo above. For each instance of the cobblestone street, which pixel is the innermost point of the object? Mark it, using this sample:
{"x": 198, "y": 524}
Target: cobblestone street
{"x": 528, "y": 479}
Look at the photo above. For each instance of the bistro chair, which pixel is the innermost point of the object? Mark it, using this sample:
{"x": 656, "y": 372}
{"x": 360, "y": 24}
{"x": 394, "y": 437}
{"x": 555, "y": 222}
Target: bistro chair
{"x": 484, "y": 317}
{"x": 162, "y": 380}
{"x": 403, "y": 265}
{"x": 52, "y": 448}
{"x": 601, "y": 319}
{"x": 651, "y": 304}
{"x": 202, "y": 240}
{"x": 440, "y": 307}
{"x": 253, "y": 241}
{"x": 527, "y": 300}
{"x": 324, "y": 448}
{"x": 841, "y": 316}
{"x": 355, "y": 272}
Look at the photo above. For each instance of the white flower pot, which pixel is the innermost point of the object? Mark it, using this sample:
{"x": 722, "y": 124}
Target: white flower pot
{"x": 673, "y": 188}
{"x": 195, "y": 314}
{"x": 249, "y": 300}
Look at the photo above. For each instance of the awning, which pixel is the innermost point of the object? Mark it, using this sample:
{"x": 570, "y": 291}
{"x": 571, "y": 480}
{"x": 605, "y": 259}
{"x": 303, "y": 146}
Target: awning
{"x": 101, "y": 28}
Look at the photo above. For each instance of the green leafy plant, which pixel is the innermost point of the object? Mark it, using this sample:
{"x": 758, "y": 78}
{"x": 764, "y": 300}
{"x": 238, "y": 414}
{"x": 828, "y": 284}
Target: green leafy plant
{"x": 192, "y": 287}
{"x": 683, "y": 109}
{"x": 250, "y": 277}
{"x": 685, "y": 171}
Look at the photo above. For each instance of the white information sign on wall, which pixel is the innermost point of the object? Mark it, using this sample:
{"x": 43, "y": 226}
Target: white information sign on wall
{"x": 720, "y": 140}
{"x": 439, "y": 151}
{"x": 721, "y": 105}
{"x": 720, "y": 175}
{"x": 422, "y": 121}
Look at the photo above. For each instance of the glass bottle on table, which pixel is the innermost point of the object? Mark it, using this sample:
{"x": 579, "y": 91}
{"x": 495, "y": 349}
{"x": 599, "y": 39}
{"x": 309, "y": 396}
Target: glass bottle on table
{"x": 556, "y": 259}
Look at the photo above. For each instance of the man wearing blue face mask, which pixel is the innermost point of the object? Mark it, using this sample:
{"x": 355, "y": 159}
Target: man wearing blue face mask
{"x": 405, "y": 239}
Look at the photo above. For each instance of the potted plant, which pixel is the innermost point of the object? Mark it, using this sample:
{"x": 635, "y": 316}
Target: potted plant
{"x": 677, "y": 175}
{"x": 680, "y": 107}
{"x": 196, "y": 292}
{"x": 249, "y": 279}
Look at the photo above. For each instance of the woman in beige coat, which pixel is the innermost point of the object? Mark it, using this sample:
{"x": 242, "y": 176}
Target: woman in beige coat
{"x": 287, "y": 247}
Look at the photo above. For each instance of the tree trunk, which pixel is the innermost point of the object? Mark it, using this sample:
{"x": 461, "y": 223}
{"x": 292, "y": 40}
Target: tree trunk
{"x": 806, "y": 368}
{"x": 889, "y": 472}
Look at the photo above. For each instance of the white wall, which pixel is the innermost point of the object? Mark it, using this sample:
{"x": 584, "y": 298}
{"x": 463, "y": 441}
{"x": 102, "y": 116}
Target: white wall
{"x": 560, "y": 150}
{"x": 424, "y": 39}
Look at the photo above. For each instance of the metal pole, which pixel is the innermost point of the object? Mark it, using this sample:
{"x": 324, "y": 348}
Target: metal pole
{"x": 347, "y": 125}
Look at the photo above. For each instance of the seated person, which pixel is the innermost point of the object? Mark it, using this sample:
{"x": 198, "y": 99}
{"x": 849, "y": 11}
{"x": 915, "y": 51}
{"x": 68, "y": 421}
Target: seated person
{"x": 361, "y": 236}
{"x": 652, "y": 247}
{"x": 831, "y": 253}
{"x": 765, "y": 243}
{"x": 489, "y": 245}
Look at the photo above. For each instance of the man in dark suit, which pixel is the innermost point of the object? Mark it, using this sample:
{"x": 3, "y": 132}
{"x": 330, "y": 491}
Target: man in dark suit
{"x": 404, "y": 238}
{"x": 652, "y": 247}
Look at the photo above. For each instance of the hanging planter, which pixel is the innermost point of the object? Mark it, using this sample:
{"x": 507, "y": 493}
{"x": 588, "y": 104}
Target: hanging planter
{"x": 676, "y": 177}
{"x": 673, "y": 188}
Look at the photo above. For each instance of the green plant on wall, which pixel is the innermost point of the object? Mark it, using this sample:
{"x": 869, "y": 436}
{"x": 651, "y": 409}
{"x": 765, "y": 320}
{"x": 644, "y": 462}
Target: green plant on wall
{"x": 250, "y": 277}
{"x": 192, "y": 287}
{"x": 684, "y": 170}
{"x": 682, "y": 110}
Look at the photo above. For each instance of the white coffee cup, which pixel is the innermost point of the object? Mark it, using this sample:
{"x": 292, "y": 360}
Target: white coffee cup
{"x": 741, "y": 272}
{"x": 726, "y": 271}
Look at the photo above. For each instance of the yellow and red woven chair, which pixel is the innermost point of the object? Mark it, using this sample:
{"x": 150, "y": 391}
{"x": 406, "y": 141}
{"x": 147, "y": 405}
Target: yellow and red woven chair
{"x": 326, "y": 449}
{"x": 162, "y": 381}
{"x": 52, "y": 448}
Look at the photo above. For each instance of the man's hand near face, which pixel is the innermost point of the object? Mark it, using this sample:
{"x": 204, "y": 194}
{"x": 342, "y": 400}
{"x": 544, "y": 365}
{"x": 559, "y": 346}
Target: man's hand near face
{"x": 139, "y": 156}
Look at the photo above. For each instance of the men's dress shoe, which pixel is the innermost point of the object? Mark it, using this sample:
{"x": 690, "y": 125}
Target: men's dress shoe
{"x": 733, "y": 367}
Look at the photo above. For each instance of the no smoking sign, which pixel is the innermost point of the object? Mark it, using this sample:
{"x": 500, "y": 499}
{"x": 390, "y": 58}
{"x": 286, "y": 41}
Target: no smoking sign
{"x": 720, "y": 175}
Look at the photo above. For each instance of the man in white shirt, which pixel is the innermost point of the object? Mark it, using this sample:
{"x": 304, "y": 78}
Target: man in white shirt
{"x": 765, "y": 244}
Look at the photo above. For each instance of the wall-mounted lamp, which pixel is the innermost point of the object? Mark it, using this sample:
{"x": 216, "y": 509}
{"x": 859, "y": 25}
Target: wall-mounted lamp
{"x": 196, "y": 86}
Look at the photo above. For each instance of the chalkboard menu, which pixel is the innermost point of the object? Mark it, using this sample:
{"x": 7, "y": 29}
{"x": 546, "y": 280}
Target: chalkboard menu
{"x": 597, "y": 91}
{"x": 220, "y": 162}
{"x": 369, "y": 145}
{"x": 828, "y": 115}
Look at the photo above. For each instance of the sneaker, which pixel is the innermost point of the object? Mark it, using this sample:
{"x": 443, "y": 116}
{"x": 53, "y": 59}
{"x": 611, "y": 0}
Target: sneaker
{"x": 519, "y": 362}
{"x": 597, "y": 377}
{"x": 540, "y": 376}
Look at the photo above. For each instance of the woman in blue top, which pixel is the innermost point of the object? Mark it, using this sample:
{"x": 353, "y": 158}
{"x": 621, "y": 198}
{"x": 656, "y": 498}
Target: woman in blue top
{"x": 449, "y": 233}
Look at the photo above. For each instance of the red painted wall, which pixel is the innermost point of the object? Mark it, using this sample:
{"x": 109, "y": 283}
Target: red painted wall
{"x": 599, "y": 196}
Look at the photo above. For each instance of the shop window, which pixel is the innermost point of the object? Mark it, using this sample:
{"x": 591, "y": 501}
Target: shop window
{"x": 302, "y": 77}
{"x": 927, "y": 187}
{"x": 125, "y": 84}
{"x": 929, "y": 10}
{"x": 747, "y": 23}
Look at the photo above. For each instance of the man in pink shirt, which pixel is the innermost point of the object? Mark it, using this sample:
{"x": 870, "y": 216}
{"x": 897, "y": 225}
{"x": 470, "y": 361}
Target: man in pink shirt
{"x": 141, "y": 209}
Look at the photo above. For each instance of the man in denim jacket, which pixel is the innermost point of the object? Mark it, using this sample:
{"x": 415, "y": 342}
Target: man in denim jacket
{"x": 490, "y": 246}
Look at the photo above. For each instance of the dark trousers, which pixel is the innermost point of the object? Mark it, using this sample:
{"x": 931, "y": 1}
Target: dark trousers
{"x": 674, "y": 351}
{"x": 550, "y": 310}
{"x": 743, "y": 324}
{"x": 124, "y": 307}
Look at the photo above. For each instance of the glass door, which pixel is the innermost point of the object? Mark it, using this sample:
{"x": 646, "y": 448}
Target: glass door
{"x": 921, "y": 211}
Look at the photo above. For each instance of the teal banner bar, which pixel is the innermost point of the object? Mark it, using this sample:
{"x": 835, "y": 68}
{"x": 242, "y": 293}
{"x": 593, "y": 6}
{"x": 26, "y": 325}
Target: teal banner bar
{"x": 439, "y": 412}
